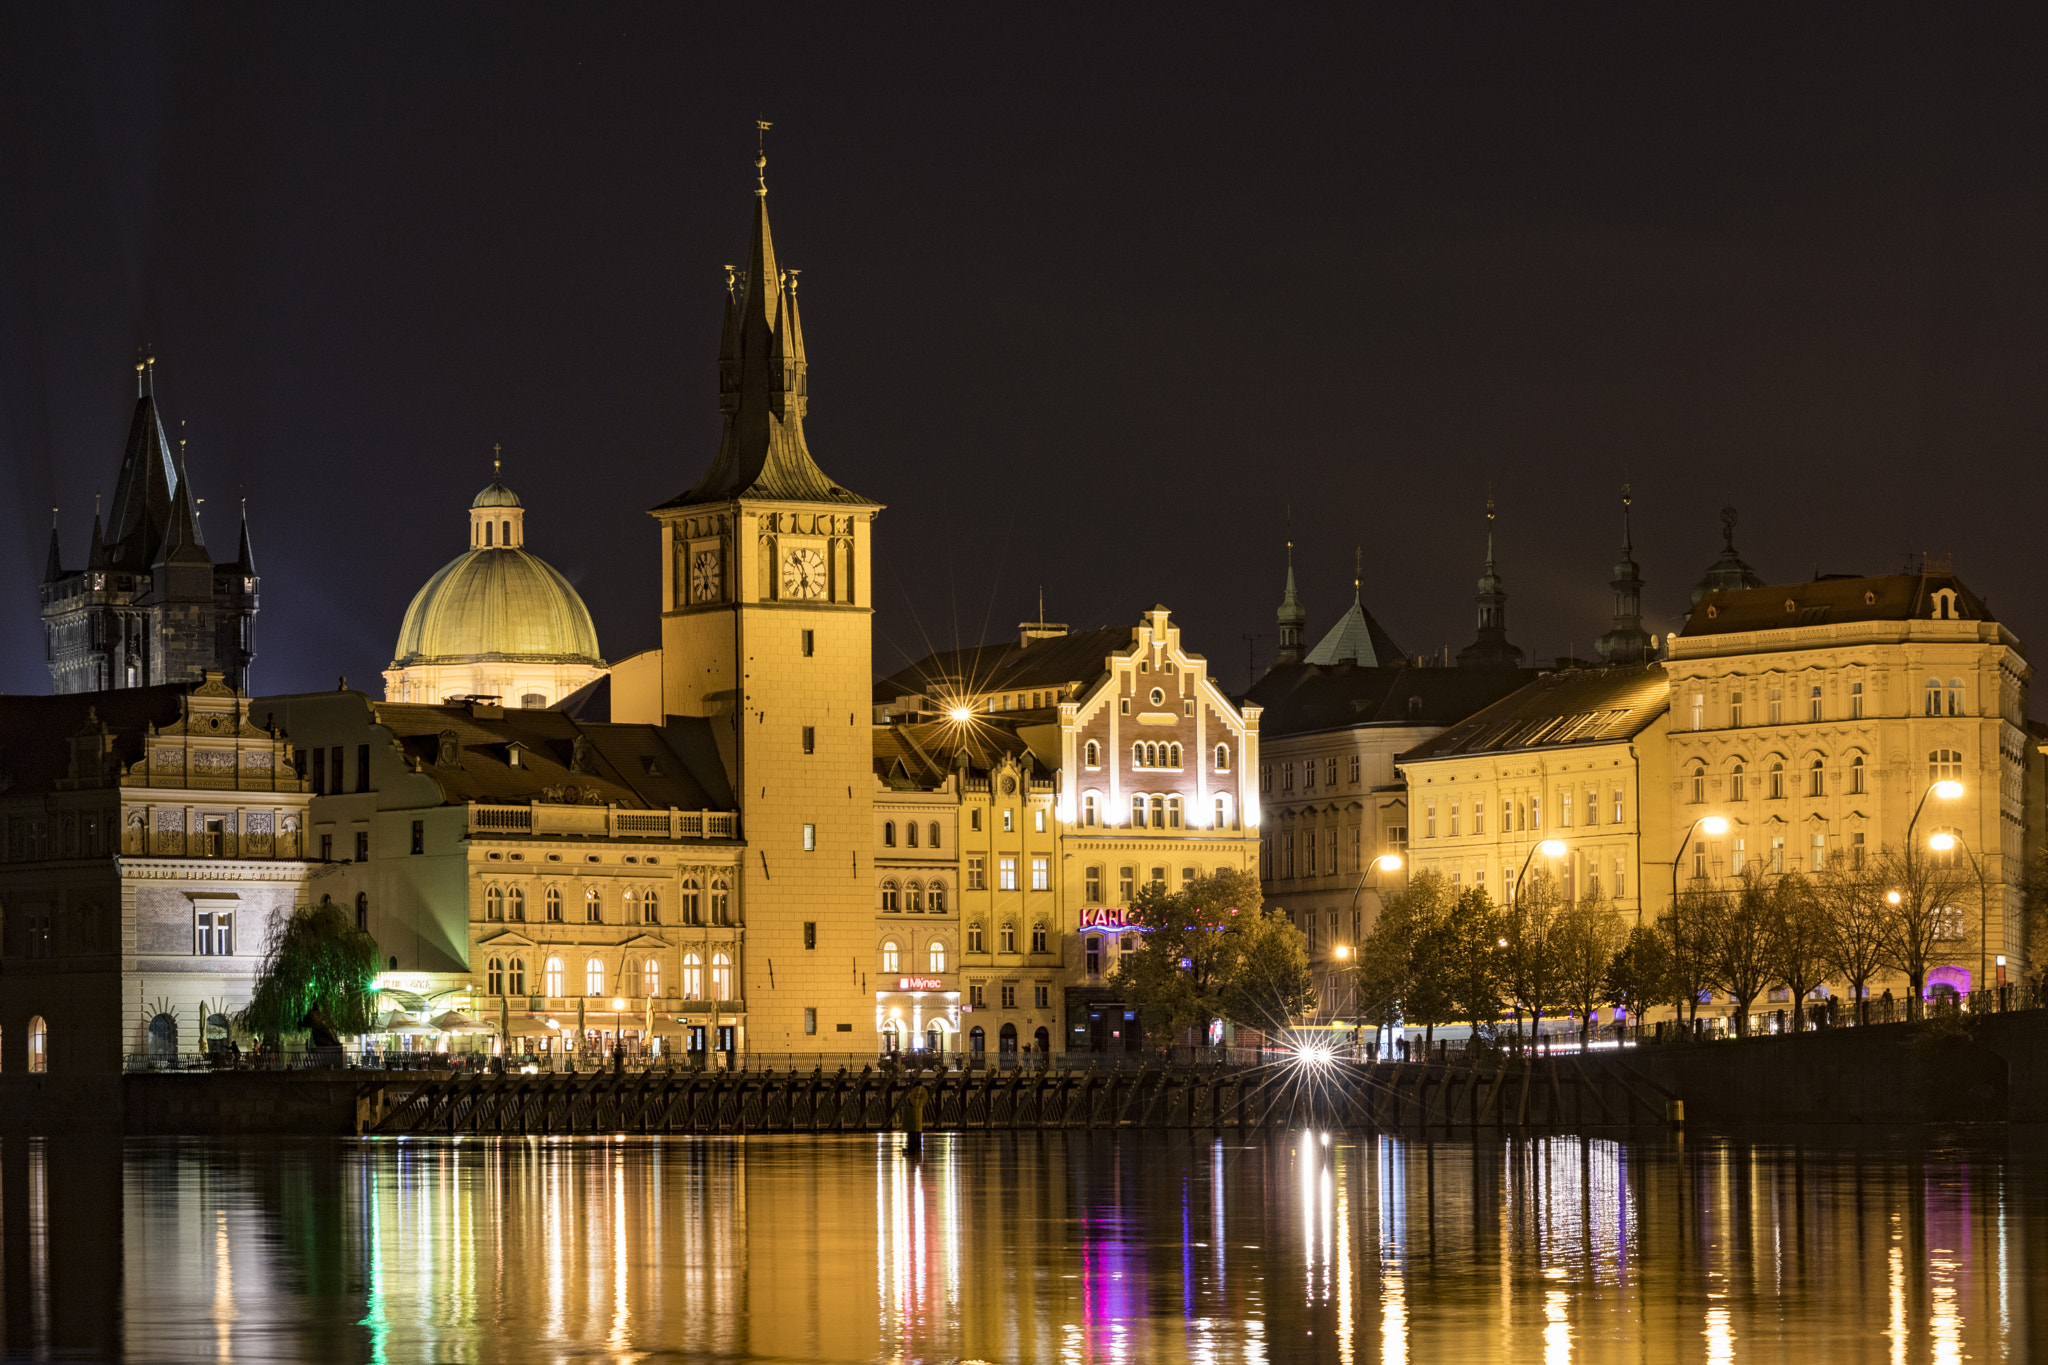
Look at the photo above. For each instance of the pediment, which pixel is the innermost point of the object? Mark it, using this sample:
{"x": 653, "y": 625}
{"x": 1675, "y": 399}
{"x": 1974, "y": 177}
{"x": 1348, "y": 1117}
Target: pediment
{"x": 507, "y": 939}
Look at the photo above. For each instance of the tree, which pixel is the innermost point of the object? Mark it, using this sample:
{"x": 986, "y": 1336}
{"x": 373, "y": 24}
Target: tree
{"x": 1738, "y": 942}
{"x": 1852, "y": 908}
{"x": 319, "y": 977}
{"x": 1688, "y": 929}
{"x": 1587, "y": 936}
{"x": 1470, "y": 959}
{"x": 1211, "y": 951}
{"x": 1799, "y": 940}
{"x": 1639, "y": 977}
{"x": 1530, "y": 962}
{"x": 1922, "y": 925}
{"x": 1392, "y": 956}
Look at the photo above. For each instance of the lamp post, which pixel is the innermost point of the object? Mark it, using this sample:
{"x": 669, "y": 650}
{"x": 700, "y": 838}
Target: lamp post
{"x": 1549, "y": 848}
{"x": 1942, "y": 843}
{"x": 1386, "y": 862}
{"x": 1715, "y": 826}
{"x": 1948, "y": 789}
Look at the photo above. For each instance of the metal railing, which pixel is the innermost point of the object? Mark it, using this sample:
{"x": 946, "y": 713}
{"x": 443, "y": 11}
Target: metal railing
{"x": 546, "y": 818}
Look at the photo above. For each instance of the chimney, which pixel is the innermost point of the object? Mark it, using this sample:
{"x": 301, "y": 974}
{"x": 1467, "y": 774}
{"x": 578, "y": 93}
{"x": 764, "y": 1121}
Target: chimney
{"x": 1039, "y": 630}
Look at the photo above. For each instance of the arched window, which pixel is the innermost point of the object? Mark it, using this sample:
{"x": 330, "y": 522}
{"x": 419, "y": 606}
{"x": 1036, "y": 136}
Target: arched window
{"x": 1173, "y": 812}
{"x": 1008, "y": 939}
{"x": 534, "y": 701}
{"x": 693, "y": 904}
{"x": 1159, "y": 812}
{"x": 1092, "y": 755}
{"x": 1933, "y": 691}
{"x": 721, "y": 902}
{"x": 515, "y": 978}
{"x": 1945, "y": 765}
{"x": 892, "y": 957}
{"x": 977, "y": 1041}
{"x": 515, "y": 905}
{"x": 551, "y": 978}
{"x": 974, "y": 943}
{"x": 1091, "y": 811}
{"x": 494, "y": 977}
{"x": 363, "y": 911}
{"x": 1223, "y": 758}
{"x": 494, "y": 903}
{"x": 1856, "y": 775}
{"x": 630, "y": 900}
{"x": 1173, "y": 760}
{"x": 650, "y": 976}
{"x": 163, "y": 1038}
{"x": 593, "y": 910}
{"x": 593, "y": 976}
{"x": 1137, "y": 755}
{"x": 933, "y": 842}
{"x": 693, "y": 977}
{"x": 650, "y": 906}
{"x": 506, "y": 537}
{"x": 936, "y": 955}
{"x": 1816, "y": 779}
{"x": 910, "y": 834}
{"x": 1777, "y": 781}
{"x": 629, "y": 978}
{"x": 1038, "y": 937}
{"x": 1699, "y": 784}
{"x": 38, "y": 1045}
{"x": 487, "y": 534}
{"x": 1955, "y": 696}
{"x": 913, "y": 897}
{"x": 554, "y": 905}
{"x": 1738, "y": 783}
{"x": 888, "y": 834}
{"x": 892, "y": 898}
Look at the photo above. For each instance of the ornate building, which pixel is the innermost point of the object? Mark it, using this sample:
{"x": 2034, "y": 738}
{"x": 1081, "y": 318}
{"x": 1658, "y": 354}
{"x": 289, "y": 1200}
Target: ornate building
{"x": 496, "y": 621}
{"x": 150, "y": 606}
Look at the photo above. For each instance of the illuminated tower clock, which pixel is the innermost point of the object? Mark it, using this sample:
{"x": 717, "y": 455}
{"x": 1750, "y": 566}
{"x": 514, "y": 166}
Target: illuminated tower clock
{"x": 766, "y": 635}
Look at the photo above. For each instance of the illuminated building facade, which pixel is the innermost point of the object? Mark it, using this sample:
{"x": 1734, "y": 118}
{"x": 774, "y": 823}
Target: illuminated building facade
{"x": 1814, "y": 716}
{"x": 150, "y": 838}
{"x": 495, "y": 621}
{"x": 150, "y": 606}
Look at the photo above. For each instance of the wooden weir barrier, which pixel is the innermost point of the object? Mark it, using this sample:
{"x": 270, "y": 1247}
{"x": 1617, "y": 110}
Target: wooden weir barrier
{"x": 1566, "y": 1093}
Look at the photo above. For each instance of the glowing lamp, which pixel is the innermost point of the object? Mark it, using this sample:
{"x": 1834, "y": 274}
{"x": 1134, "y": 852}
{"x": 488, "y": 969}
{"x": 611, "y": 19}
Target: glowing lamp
{"x": 960, "y": 713}
{"x": 618, "y": 1005}
{"x": 1388, "y": 862}
{"x": 1342, "y": 952}
{"x": 1714, "y": 824}
{"x": 1891, "y": 897}
{"x": 1503, "y": 943}
{"x": 1948, "y": 790}
{"x": 1551, "y": 848}
{"x": 1942, "y": 843}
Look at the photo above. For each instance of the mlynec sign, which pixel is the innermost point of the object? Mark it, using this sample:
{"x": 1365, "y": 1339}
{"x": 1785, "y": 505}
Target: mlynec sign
{"x": 920, "y": 983}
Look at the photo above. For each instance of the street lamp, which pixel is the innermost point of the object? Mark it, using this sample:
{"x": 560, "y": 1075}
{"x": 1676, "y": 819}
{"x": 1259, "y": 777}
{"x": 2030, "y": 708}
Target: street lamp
{"x": 1943, "y": 842}
{"x": 1549, "y": 848}
{"x": 1386, "y": 862}
{"x": 1948, "y": 789}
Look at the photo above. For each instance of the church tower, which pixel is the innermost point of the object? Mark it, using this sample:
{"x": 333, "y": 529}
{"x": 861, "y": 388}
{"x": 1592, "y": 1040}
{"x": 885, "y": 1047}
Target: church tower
{"x": 1490, "y": 647}
{"x": 766, "y": 633}
{"x": 1628, "y": 642}
{"x": 1292, "y": 617}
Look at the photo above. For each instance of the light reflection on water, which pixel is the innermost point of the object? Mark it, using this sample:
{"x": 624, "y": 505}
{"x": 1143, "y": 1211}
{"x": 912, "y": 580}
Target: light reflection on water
{"x": 1089, "y": 1248}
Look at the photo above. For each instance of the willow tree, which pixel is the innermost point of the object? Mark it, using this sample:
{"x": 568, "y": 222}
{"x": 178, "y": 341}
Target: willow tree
{"x": 319, "y": 978}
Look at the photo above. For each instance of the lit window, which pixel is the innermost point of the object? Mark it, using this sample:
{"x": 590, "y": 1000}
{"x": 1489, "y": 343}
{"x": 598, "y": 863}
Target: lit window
{"x": 551, "y": 977}
{"x": 1006, "y": 874}
{"x": 1777, "y": 782}
{"x": 693, "y": 977}
{"x": 593, "y": 976}
{"x": 936, "y": 955}
{"x": 592, "y": 910}
{"x": 1738, "y": 779}
{"x": 721, "y": 976}
{"x": 891, "y": 957}
{"x": 1223, "y": 758}
{"x": 1041, "y": 874}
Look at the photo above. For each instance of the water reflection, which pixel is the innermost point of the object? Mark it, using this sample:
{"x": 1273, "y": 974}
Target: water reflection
{"x": 1065, "y": 1246}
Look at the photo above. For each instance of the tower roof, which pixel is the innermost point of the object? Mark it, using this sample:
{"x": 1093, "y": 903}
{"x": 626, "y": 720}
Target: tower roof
{"x": 1728, "y": 573}
{"x": 1490, "y": 647}
{"x": 763, "y": 378}
{"x": 183, "y": 544}
{"x": 141, "y": 513}
{"x": 1291, "y": 612}
{"x": 1357, "y": 637}
{"x": 1627, "y": 642}
{"x": 496, "y": 494}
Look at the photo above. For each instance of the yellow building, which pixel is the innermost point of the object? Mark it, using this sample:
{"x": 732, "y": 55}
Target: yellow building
{"x": 1577, "y": 756}
{"x": 1815, "y": 717}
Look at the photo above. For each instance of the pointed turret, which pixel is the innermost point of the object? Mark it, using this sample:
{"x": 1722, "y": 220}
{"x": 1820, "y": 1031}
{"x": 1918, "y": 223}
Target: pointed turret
{"x": 763, "y": 386}
{"x": 141, "y": 513}
{"x": 1628, "y": 642}
{"x": 1728, "y": 573}
{"x": 1490, "y": 647}
{"x": 54, "y": 568}
{"x": 1292, "y": 616}
{"x": 245, "y": 558}
{"x": 182, "y": 543}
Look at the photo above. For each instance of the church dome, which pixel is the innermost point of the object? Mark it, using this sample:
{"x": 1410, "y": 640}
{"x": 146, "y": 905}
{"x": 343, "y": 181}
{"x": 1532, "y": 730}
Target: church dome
{"x": 496, "y": 602}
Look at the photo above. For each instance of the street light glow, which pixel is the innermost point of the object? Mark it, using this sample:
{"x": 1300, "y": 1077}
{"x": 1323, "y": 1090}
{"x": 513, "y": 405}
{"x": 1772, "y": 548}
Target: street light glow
{"x": 1388, "y": 862}
{"x": 1892, "y": 897}
{"x": 1342, "y": 952}
{"x": 961, "y": 713}
{"x": 1551, "y": 848}
{"x": 1715, "y": 825}
{"x": 1942, "y": 843}
{"x": 1948, "y": 789}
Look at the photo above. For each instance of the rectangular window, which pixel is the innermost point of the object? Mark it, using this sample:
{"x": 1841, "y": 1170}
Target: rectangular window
{"x": 1329, "y": 772}
{"x": 1699, "y": 711}
{"x": 214, "y": 933}
{"x": 419, "y": 836}
{"x": 1124, "y": 705}
{"x": 1429, "y": 820}
{"x": 1009, "y": 822}
{"x": 975, "y": 998}
{"x": 1777, "y": 706}
{"x": 1777, "y": 853}
{"x": 1287, "y": 855}
{"x": 1479, "y": 817}
{"x": 1354, "y": 770}
{"x": 810, "y": 838}
{"x": 1041, "y": 997}
{"x": 1454, "y": 819}
{"x": 1535, "y": 812}
{"x": 327, "y": 848}
{"x": 1287, "y": 777}
{"x": 810, "y": 643}
{"x": 1564, "y": 811}
{"x": 1009, "y": 997}
{"x": 1620, "y": 806}
{"x": 810, "y": 739}
{"x": 1820, "y": 852}
{"x": 1038, "y": 938}
{"x": 1738, "y": 856}
{"x": 1620, "y": 881}
{"x": 1265, "y": 777}
{"x": 1092, "y": 886}
{"x": 1856, "y": 852}
{"x": 1093, "y": 955}
{"x": 977, "y": 879}
{"x": 1856, "y": 701}
{"x": 1038, "y": 819}
{"x": 1308, "y": 853}
{"x": 1126, "y": 883}
{"x": 1308, "y": 774}
{"x": 810, "y": 933}
{"x": 1006, "y": 874}
{"x": 1735, "y": 710}
{"x": 1813, "y": 702}
{"x": 1041, "y": 874}
{"x": 1592, "y": 805}
{"x": 319, "y": 772}
{"x": 810, "y": 1015}
{"x": 362, "y": 846}
{"x": 974, "y": 820}
{"x": 1699, "y": 860}
{"x": 362, "y": 767}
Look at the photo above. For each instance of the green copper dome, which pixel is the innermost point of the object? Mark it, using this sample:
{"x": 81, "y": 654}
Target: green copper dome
{"x": 495, "y": 494}
{"x": 497, "y": 604}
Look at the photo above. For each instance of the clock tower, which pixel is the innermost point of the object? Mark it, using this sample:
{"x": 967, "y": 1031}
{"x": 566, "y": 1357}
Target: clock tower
{"x": 766, "y": 634}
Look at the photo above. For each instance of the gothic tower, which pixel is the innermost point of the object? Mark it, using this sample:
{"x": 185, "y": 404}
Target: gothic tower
{"x": 1490, "y": 647}
{"x": 1628, "y": 642}
{"x": 766, "y": 633}
{"x": 151, "y": 605}
{"x": 1292, "y": 616}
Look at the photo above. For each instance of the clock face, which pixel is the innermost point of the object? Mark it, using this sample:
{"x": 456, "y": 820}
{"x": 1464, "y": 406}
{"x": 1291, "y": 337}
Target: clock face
{"x": 803, "y": 574}
{"x": 704, "y": 576}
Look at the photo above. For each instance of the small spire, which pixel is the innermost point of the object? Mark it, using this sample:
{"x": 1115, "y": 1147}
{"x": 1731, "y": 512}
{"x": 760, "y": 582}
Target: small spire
{"x": 761, "y": 156}
{"x": 138, "y": 379}
{"x": 245, "y": 558}
{"x": 150, "y": 361}
{"x": 54, "y": 569}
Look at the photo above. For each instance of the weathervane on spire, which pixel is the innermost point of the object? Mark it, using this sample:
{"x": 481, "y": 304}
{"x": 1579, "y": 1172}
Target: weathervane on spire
{"x": 1357, "y": 566}
{"x": 761, "y": 155}
{"x": 497, "y": 460}
{"x": 1728, "y": 526}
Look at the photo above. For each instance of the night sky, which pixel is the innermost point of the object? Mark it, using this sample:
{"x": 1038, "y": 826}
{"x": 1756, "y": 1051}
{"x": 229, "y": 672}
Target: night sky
{"x": 1092, "y": 302}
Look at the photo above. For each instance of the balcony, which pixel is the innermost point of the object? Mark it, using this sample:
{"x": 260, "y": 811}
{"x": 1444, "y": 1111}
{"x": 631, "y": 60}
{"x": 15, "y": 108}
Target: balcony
{"x": 544, "y": 820}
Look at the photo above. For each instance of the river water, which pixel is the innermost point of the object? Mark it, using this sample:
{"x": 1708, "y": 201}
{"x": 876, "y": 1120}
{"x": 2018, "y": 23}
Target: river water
{"x": 1076, "y": 1247}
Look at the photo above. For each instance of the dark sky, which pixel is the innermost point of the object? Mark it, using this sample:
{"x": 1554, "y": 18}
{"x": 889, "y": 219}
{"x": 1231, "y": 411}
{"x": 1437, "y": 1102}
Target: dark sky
{"x": 1092, "y": 302}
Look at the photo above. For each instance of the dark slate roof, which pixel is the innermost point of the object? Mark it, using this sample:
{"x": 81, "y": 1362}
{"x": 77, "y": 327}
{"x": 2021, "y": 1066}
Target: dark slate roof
{"x": 643, "y": 766}
{"x": 1888, "y": 597}
{"x": 919, "y": 756}
{"x": 1577, "y": 706}
{"x": 592, "y": 701}
{"x": 139, "y": 516}
{"x": 1007, "y": 667}
{"x": 1303, "y": 697}
{"x": 36, "y": 732}
{"x": 1359, "y": 638}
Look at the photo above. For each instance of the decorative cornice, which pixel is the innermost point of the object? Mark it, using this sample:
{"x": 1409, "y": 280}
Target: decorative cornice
{"x": 141, "y": 868}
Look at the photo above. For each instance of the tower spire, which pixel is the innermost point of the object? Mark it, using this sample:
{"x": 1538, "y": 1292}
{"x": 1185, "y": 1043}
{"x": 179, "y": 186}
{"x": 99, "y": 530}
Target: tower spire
{"x": 1490, "y": 647}
{"x": 1628, "y": 642}
{"x": 54, "y": 569}
{"x": 1292, "y": 616}
{"x": 1728, "y": 573}
{"x": 245, "y": 558}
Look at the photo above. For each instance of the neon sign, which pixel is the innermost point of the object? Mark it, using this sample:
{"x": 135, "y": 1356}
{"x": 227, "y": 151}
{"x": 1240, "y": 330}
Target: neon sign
{"x": 920, "y": 983}
{"x": 1107, "y": 917}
